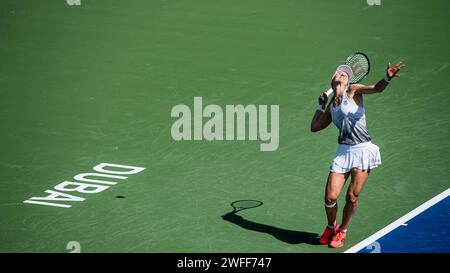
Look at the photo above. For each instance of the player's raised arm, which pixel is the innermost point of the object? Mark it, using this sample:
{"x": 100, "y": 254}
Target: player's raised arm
{"x": 391, "y": 72}
{"x": 322, "y": 117}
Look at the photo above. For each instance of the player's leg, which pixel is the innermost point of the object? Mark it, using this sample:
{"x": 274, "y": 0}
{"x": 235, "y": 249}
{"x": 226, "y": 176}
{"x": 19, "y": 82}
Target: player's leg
{"x": 333, "y": 188}
{"x": 332, "y": 191}
{"x": 358, "y": 180}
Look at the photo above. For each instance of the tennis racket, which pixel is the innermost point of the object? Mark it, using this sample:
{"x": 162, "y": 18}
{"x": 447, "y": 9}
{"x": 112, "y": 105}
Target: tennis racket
{"x": 360, "y": 64}
{"x": 245, "y": 204}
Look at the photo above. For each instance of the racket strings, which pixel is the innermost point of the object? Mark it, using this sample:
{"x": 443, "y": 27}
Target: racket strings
{"x": 360, "y": 66}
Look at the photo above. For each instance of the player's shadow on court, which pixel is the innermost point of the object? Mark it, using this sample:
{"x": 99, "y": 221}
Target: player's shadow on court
{"x": 284, "y": 235}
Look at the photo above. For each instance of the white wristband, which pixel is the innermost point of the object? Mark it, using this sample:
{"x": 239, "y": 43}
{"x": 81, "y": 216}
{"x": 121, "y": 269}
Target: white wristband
{"x": 329, "y": 92}
{"x": 386, "y": 78}
{"x": 319, "y": 108}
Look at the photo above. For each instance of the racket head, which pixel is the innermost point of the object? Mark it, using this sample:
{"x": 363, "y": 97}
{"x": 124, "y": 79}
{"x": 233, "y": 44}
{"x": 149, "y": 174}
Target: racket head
{"x": 245, "y": 204}
{"x": 360, "y": 64}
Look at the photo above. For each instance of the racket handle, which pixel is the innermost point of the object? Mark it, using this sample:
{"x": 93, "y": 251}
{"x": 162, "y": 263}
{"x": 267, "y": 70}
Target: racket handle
{"x": 329, "y": 92}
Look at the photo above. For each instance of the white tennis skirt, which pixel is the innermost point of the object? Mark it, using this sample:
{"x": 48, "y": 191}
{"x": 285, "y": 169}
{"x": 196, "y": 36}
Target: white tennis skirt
{"x": 364, "y": 156}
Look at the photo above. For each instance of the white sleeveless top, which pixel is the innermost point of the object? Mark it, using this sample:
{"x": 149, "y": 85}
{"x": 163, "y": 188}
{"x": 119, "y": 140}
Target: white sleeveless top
{"x": 350, "y": 119}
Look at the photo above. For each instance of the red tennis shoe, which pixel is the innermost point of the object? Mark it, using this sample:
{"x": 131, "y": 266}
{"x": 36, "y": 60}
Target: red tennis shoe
{"x": 338, "y": 239}
{"x": 325, "y": 239}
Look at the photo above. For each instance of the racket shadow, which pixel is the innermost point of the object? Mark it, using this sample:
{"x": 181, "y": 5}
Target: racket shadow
{"x": 284, "y": 235}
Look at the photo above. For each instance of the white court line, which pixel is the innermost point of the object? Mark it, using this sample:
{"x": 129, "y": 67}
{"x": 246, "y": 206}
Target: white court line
{"x": 399, "y": 222}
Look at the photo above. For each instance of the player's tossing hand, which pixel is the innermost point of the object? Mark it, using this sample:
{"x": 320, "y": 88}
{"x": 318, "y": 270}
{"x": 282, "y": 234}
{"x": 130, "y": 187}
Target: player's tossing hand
{"x": 391, "y": 72}
{"x": 323, "y": 99}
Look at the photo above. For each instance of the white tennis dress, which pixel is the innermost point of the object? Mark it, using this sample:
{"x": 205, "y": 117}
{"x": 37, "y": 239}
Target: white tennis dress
{"x": 355, "y": 147}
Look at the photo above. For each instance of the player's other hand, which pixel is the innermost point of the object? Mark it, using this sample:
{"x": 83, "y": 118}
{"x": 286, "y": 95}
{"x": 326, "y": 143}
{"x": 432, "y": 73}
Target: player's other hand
{"x": 392, "y": 71}
{"x": 323, "y": 99}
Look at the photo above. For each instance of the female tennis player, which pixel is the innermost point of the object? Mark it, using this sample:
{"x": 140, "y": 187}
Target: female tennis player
{"x": 356, "y": 154}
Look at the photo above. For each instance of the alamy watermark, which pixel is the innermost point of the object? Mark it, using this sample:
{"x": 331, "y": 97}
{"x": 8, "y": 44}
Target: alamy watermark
{"x": 374, "y": 2}
{"x": 229, "y": 124}
{"x": 74, "y": 246}
{"x": 375, "y": 247}
{"x": 73, "y": 2}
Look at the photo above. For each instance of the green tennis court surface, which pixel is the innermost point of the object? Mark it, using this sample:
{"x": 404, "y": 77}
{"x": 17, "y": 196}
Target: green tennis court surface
{"x": 95, "y": 83}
